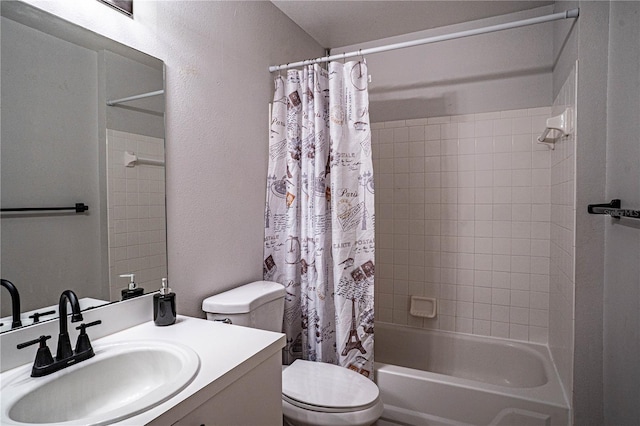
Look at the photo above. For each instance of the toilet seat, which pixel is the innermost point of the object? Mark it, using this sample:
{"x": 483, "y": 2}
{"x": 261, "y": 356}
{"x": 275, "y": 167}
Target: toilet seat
{"x": 327, "y": 388}
{"x": 321, "y": 409}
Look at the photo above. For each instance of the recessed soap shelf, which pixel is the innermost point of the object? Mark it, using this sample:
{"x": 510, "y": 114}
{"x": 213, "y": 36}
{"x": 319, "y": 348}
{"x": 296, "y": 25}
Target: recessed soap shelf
{"x": 424, "y": 307}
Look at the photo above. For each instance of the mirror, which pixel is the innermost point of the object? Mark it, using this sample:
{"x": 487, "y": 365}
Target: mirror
{"x": 62, "y": 144}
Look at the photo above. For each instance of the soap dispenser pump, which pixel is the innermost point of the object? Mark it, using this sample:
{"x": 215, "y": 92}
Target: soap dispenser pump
{"x": 132, "y": 290}
{"x": 164, "y": 305}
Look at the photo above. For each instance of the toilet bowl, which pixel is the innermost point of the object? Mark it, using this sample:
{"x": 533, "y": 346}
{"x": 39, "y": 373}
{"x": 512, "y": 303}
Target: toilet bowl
{"x": 313, "y": 393}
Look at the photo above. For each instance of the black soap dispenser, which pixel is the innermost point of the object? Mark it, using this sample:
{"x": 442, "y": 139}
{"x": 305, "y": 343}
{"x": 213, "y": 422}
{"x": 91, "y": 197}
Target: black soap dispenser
{"x": 132, "y": 290}
{"x": 164, "y": 305}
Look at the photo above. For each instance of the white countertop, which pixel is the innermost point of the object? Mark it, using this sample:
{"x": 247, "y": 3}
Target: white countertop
{"x": 226, "y": 352}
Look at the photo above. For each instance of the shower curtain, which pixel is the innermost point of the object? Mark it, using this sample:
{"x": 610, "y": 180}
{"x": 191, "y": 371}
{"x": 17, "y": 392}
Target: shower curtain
{"x": 319, "y": 216}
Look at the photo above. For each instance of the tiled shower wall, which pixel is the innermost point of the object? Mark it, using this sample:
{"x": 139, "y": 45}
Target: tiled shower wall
{"x": 563, "y": 214}
{"x": 136, "y": 213}
{"x": 463, "y": 215}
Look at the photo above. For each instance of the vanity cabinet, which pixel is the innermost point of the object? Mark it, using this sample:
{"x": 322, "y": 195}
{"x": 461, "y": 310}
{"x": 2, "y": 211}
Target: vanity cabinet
{"x": 254, "y": 399}
{"x": 237, "y": 380}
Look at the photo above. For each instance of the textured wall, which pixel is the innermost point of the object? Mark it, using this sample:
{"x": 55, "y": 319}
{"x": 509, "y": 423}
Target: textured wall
{"x": 587, "y": 41}
{"x": 490, "y": 72}
{"x": 622, "y": 262}
{"x": 593, "y": 36}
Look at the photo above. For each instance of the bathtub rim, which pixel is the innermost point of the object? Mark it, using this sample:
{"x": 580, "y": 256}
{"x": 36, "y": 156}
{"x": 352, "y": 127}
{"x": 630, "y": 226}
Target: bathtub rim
{"x": 552, "y": 392}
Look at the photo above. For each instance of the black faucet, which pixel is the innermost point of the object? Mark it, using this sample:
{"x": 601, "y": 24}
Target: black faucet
{"x": 64, "y": 344}
{"x": 15, "y": 303}
{"x": 65, "y": 355}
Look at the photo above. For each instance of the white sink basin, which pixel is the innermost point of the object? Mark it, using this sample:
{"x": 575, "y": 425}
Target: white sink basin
{"x": 121, "y": 380}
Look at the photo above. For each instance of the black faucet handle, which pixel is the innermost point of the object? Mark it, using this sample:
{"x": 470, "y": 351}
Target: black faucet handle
{"x": 43, "y": 356}
{"x": 36, "y": 316}
{"x": 83, "y": 344}
{"x": 42, "y": 340}
{"x": 82, "y": 327}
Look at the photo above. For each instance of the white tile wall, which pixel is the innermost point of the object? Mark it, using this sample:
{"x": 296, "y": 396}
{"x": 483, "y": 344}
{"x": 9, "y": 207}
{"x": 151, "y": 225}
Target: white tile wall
{"x": 136, "y": 213}
{"x": 463, "y": 215}
{"x": 562, "y": 249}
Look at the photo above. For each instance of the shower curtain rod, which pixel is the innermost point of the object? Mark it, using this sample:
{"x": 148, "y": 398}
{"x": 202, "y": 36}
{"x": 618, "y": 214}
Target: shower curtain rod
{"x": 572, "y": 13}
{"x": 134, "y": 97}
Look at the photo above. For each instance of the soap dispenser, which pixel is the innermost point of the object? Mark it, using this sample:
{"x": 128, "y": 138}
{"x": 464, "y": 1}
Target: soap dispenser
{"x": 132, "y": 290}
{"x": 164, "y": 305}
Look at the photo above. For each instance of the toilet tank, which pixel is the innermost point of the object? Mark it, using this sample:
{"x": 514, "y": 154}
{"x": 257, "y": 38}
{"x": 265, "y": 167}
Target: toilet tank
{"x": 259, "y": 304}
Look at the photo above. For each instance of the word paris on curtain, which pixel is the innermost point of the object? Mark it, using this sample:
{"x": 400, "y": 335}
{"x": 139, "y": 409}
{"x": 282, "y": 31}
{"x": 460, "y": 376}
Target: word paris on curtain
{"x": 320, "y": 217}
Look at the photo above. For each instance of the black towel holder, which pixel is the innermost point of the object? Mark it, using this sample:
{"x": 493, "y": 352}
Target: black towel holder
{"x": 78, "y": 208}
{"x": 613, "y": 209}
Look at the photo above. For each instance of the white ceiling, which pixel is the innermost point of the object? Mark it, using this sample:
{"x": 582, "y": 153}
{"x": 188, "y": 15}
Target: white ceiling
{"x": 341, "y": 23}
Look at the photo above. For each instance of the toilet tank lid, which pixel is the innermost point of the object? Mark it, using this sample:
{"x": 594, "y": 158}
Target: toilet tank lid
{"x": 243, "y": 299}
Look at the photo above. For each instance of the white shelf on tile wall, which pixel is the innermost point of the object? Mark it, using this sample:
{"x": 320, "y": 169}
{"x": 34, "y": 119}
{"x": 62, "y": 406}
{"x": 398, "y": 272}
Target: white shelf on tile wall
{"x": 562, "y": 123}
{"x": 424, "y": 307}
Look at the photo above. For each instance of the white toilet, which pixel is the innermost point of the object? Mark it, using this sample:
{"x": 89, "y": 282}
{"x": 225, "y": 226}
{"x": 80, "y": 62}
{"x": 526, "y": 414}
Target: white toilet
{"x": 313, "y": 393}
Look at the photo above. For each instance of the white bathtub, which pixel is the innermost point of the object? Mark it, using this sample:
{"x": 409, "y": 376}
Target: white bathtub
{"x": 431, "y": 377}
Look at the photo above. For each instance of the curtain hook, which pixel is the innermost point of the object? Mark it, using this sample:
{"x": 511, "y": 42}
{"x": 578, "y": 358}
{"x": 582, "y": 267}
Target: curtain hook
{"x": 362, "y": 58}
